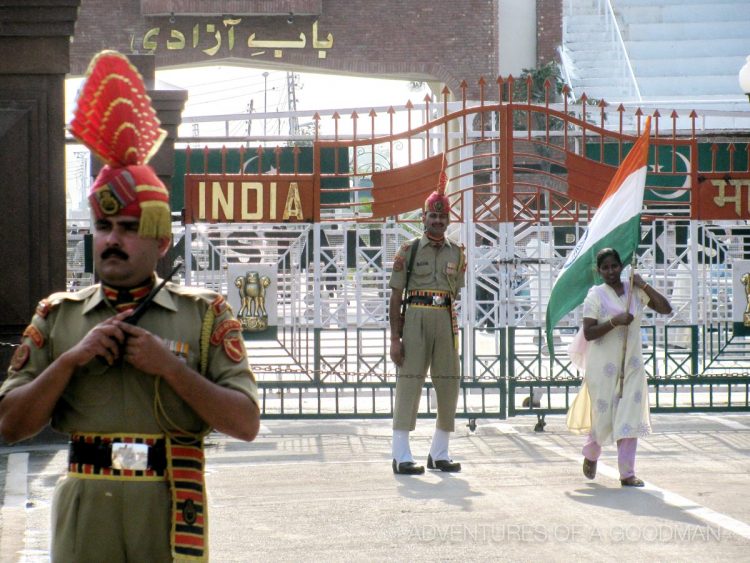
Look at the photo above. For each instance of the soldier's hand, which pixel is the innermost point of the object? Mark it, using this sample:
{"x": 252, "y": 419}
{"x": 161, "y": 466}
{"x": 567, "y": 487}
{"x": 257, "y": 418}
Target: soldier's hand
{"x": 102, "y": 341}
{"x": 146, "y": 351}
{"x": 397, "y": 352}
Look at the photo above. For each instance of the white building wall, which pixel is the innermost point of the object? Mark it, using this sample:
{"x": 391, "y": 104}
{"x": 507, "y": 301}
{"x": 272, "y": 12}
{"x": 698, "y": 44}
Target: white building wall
{"x": 517, "y": 36}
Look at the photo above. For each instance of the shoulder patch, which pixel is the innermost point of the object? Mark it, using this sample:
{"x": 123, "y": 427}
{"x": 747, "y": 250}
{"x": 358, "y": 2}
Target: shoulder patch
{"x": 35, "y": 335}
{"x": 225, "y": 327}
{"x": 219, "y": 305}
{"x": 403, "y": 252}
{"x": 398, "y": 263}
{"x": 462, "y": 257}
{"x": 20, "y": 357}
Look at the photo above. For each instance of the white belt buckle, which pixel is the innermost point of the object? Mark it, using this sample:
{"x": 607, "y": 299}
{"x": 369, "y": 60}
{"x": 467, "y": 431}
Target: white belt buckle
{"x": 438, "y": 300}
{"x": 129, "y": 456}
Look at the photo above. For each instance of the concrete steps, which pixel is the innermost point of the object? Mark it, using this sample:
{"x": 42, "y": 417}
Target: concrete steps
{"x": 686, "y": 86}
{"x": 684, "y": 30}
{"x": 658, "y": 12}
{"x": 696, "y": 66}
{"x": 690, "y": 49}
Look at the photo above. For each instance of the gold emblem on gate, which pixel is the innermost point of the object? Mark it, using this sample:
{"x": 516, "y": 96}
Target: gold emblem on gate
{"x": 252, "y": 289}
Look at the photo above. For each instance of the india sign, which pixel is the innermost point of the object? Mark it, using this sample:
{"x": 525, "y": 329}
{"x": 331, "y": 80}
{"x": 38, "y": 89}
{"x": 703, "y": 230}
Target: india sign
{"x": 214, "y": 198}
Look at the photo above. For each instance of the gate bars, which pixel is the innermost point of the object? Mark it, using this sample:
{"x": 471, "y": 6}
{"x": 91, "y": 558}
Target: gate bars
{"x": 524, "y": 180}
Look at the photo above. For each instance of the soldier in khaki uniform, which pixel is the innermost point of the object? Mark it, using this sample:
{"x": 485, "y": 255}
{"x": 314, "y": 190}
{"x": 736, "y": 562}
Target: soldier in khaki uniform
{"x": 430, "y": 335}
{"x": 136, "y": 399}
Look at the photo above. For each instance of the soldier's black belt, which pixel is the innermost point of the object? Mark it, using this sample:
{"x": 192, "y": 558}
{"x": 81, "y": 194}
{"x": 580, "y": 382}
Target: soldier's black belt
{"x": 119, "y": 455}
{"x": 429, "y": 300}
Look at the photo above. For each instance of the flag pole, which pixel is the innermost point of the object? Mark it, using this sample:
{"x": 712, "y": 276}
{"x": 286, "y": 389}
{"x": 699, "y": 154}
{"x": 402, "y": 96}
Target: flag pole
{"x": 627, "y": 327}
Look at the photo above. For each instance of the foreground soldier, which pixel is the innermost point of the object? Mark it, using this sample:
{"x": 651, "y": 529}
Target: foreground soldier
{"x": 432, "y": 278}
{"x": 136, "y": 399}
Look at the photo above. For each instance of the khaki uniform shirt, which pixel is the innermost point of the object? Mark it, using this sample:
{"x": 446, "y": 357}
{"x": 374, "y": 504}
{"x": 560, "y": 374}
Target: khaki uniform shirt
{"x": 119, "y": 398}
{"x": 434, "y": 269}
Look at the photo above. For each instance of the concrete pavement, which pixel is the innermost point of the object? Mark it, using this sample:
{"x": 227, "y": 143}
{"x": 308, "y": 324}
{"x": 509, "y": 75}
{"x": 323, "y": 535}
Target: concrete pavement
{"x": 324, "y": 491}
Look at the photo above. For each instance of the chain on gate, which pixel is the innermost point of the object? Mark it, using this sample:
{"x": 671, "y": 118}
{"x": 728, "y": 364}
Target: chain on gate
{"x": 345, "y": 375}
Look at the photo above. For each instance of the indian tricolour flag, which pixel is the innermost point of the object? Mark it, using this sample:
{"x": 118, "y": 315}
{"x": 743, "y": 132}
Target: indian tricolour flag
{"x": 616, "y": 224}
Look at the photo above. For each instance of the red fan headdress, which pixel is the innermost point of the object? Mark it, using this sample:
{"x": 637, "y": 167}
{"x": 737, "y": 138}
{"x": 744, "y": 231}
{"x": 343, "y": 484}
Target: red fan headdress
{"x": 115, "y": 120}
{"x": 437, "y": 201}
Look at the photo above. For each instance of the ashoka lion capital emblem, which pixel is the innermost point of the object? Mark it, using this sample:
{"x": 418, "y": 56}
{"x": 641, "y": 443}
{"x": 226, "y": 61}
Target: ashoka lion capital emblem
{"x": 252, "y": 289}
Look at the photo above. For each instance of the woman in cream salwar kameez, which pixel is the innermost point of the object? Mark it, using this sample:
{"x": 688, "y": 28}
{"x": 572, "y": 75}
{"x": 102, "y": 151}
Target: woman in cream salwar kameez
{"x": 599, "y": 409}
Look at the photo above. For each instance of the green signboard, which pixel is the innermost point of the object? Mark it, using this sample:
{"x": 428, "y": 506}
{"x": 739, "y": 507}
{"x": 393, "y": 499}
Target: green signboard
{"x": 329, "y": 165}
{"x": 668, "y": 170}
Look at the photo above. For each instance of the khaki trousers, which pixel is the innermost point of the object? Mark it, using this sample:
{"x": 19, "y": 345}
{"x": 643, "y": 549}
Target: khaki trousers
{"x": 428, "y": 345}
{"x": 95, "y": 520}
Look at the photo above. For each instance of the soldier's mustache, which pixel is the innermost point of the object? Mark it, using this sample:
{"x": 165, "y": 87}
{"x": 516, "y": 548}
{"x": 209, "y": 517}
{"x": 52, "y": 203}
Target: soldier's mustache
{"x": 114, "y": 252}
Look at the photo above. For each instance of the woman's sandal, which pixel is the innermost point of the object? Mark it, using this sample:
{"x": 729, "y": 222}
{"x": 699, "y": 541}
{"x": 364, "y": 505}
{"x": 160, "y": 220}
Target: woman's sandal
{"x": 589, "y": 468}
{"x": 632, "y": 481}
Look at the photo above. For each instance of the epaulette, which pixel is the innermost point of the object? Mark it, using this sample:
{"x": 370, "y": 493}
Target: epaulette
{"x": 45, "y": 306}
{"x": 404, "y": 249}
{"x": 193, "y": 292}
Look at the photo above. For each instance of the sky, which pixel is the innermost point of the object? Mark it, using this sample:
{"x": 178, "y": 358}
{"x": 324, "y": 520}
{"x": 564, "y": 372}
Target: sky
{"x": 228, "y": 89}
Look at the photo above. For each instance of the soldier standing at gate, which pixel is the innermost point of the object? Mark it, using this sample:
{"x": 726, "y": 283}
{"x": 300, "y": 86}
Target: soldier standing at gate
{"x": 428, "y": 272}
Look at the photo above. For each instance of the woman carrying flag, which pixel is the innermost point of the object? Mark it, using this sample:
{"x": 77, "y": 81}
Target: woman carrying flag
{"x": 613, "y": 402}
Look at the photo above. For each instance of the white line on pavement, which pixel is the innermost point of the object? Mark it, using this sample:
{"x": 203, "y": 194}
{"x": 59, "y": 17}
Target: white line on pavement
{"x": 725, "y": 421}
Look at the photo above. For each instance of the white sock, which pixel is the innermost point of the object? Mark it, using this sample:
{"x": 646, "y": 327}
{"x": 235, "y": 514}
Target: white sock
{"x": 400, "y": 447}
{"x": 439, "y": 447}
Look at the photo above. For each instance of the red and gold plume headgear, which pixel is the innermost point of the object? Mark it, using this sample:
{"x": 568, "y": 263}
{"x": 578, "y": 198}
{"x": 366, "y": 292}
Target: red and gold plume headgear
{"x": 437, "y": 201}
{"x": 115, "y": 120}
